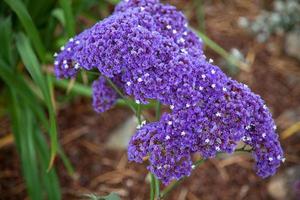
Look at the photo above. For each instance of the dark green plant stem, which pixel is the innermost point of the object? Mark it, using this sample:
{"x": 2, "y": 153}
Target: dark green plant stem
{"x": 152, "y": 186}
{"x": 157, "y": 187}
{"x": 243, "y": 149}
{"x": 157, "y": 110}
{"x": 122, "y": 95}
{"x": 222, "y": 52}
{"x": 138, "y": 113}
{"x": 156, "y": 181}
{"x": 86, "y": 91}
{"x": 217, "y": 48}
{"x": 172, "y": 186}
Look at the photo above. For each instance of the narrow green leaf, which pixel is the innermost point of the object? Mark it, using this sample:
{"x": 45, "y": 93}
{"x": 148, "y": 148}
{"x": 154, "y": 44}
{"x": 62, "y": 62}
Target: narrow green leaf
{"x": 31, "y": 62}
{"x": 68, "y": 15}
{"x": 77, "y": 88}
{"x": 5, "y": 40}
{"x": 23, "y": 130}
{"x": 50, "y": 179}
{"x": 58, "y": 13}
{"x": 33, "y": 67}
{"x": 14, "y": 80}
{"x": 19, "y": 8}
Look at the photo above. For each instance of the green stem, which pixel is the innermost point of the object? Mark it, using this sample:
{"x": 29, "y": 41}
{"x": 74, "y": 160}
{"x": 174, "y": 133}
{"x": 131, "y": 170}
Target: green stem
{"x": 222, "y": 52}
{"x": 243, "y": 150}
{"x": 157, "y": 110}
{"x": 86, "y": 91}
{"x": 138, "y": 113}
{"x": 152, "y": 186}
{"x": 172, "y": 186}
{"x": 157, "y": 188}
{"x": 199, "y": 162}
{"x": 122, "y": 95}
{"x": 156, "y": 181}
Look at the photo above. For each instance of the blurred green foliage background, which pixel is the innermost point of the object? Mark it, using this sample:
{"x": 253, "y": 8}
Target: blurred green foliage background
{"x": 31, "y": 31}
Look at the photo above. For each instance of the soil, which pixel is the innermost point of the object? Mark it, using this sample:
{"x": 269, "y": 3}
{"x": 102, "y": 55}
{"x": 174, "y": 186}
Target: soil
{"x": 83, "y": 133}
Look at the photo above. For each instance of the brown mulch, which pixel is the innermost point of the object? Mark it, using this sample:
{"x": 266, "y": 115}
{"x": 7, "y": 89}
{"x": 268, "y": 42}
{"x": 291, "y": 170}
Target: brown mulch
{"x": 83, "y": 133}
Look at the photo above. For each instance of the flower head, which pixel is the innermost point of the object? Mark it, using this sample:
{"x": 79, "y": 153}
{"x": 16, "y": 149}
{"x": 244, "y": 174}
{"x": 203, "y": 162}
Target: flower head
{"x": 147, "y": 49}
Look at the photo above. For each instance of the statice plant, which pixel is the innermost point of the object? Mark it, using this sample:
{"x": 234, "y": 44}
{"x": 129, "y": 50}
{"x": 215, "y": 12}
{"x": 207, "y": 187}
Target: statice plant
{"x": 146, "y": 51}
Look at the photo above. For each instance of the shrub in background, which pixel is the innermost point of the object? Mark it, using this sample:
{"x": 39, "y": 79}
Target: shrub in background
{"x": 284, "y": 17}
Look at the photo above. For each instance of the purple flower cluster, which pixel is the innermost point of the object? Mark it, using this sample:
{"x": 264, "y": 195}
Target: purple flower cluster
{"x": 148, "y": 49}
{"x": 221, "y": 119}
{"x": 103, "y": 95}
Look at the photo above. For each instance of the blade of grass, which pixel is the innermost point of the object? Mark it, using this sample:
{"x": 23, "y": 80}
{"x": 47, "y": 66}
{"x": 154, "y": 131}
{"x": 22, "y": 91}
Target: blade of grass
{"x": 77, "y": 88}
{"x": 58, "y": 13}
{"x": 22, "y": 129}
{"x": 17, "y": 82}
{"x": 45, "y": 83}
{"x": 52, "y": 131}
{"x": 50, "y": 179}
{"x": 33, "y": 152}
{"x": 32, "y": 65}
{"x": 5, "y": 40}
{"x": 69, "y": 18}
{"x": 19, "y": 8}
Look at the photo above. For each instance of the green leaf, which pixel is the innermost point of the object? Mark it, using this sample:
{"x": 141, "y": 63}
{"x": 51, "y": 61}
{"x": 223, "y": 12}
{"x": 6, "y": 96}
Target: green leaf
{"x": 19, "y": 8}
{"x": 69, "y": 18}
{"x": 33, "y": 67}
{"x": 77, "y": 88}
{"x": 6, "y": 39}
{"x": 22, "y": 129}
{"x": 33, "y": 151}
{"x": 39, "y": 11}
{"x": 50, "y": 179}
{"x": 31, "y": 62}
{"x": 16, "y": 81}
{"x": 58, "y": 13}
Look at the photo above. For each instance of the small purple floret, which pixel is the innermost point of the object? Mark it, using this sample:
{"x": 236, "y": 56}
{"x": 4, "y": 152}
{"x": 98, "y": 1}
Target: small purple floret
{"x": 104, "y": 97}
